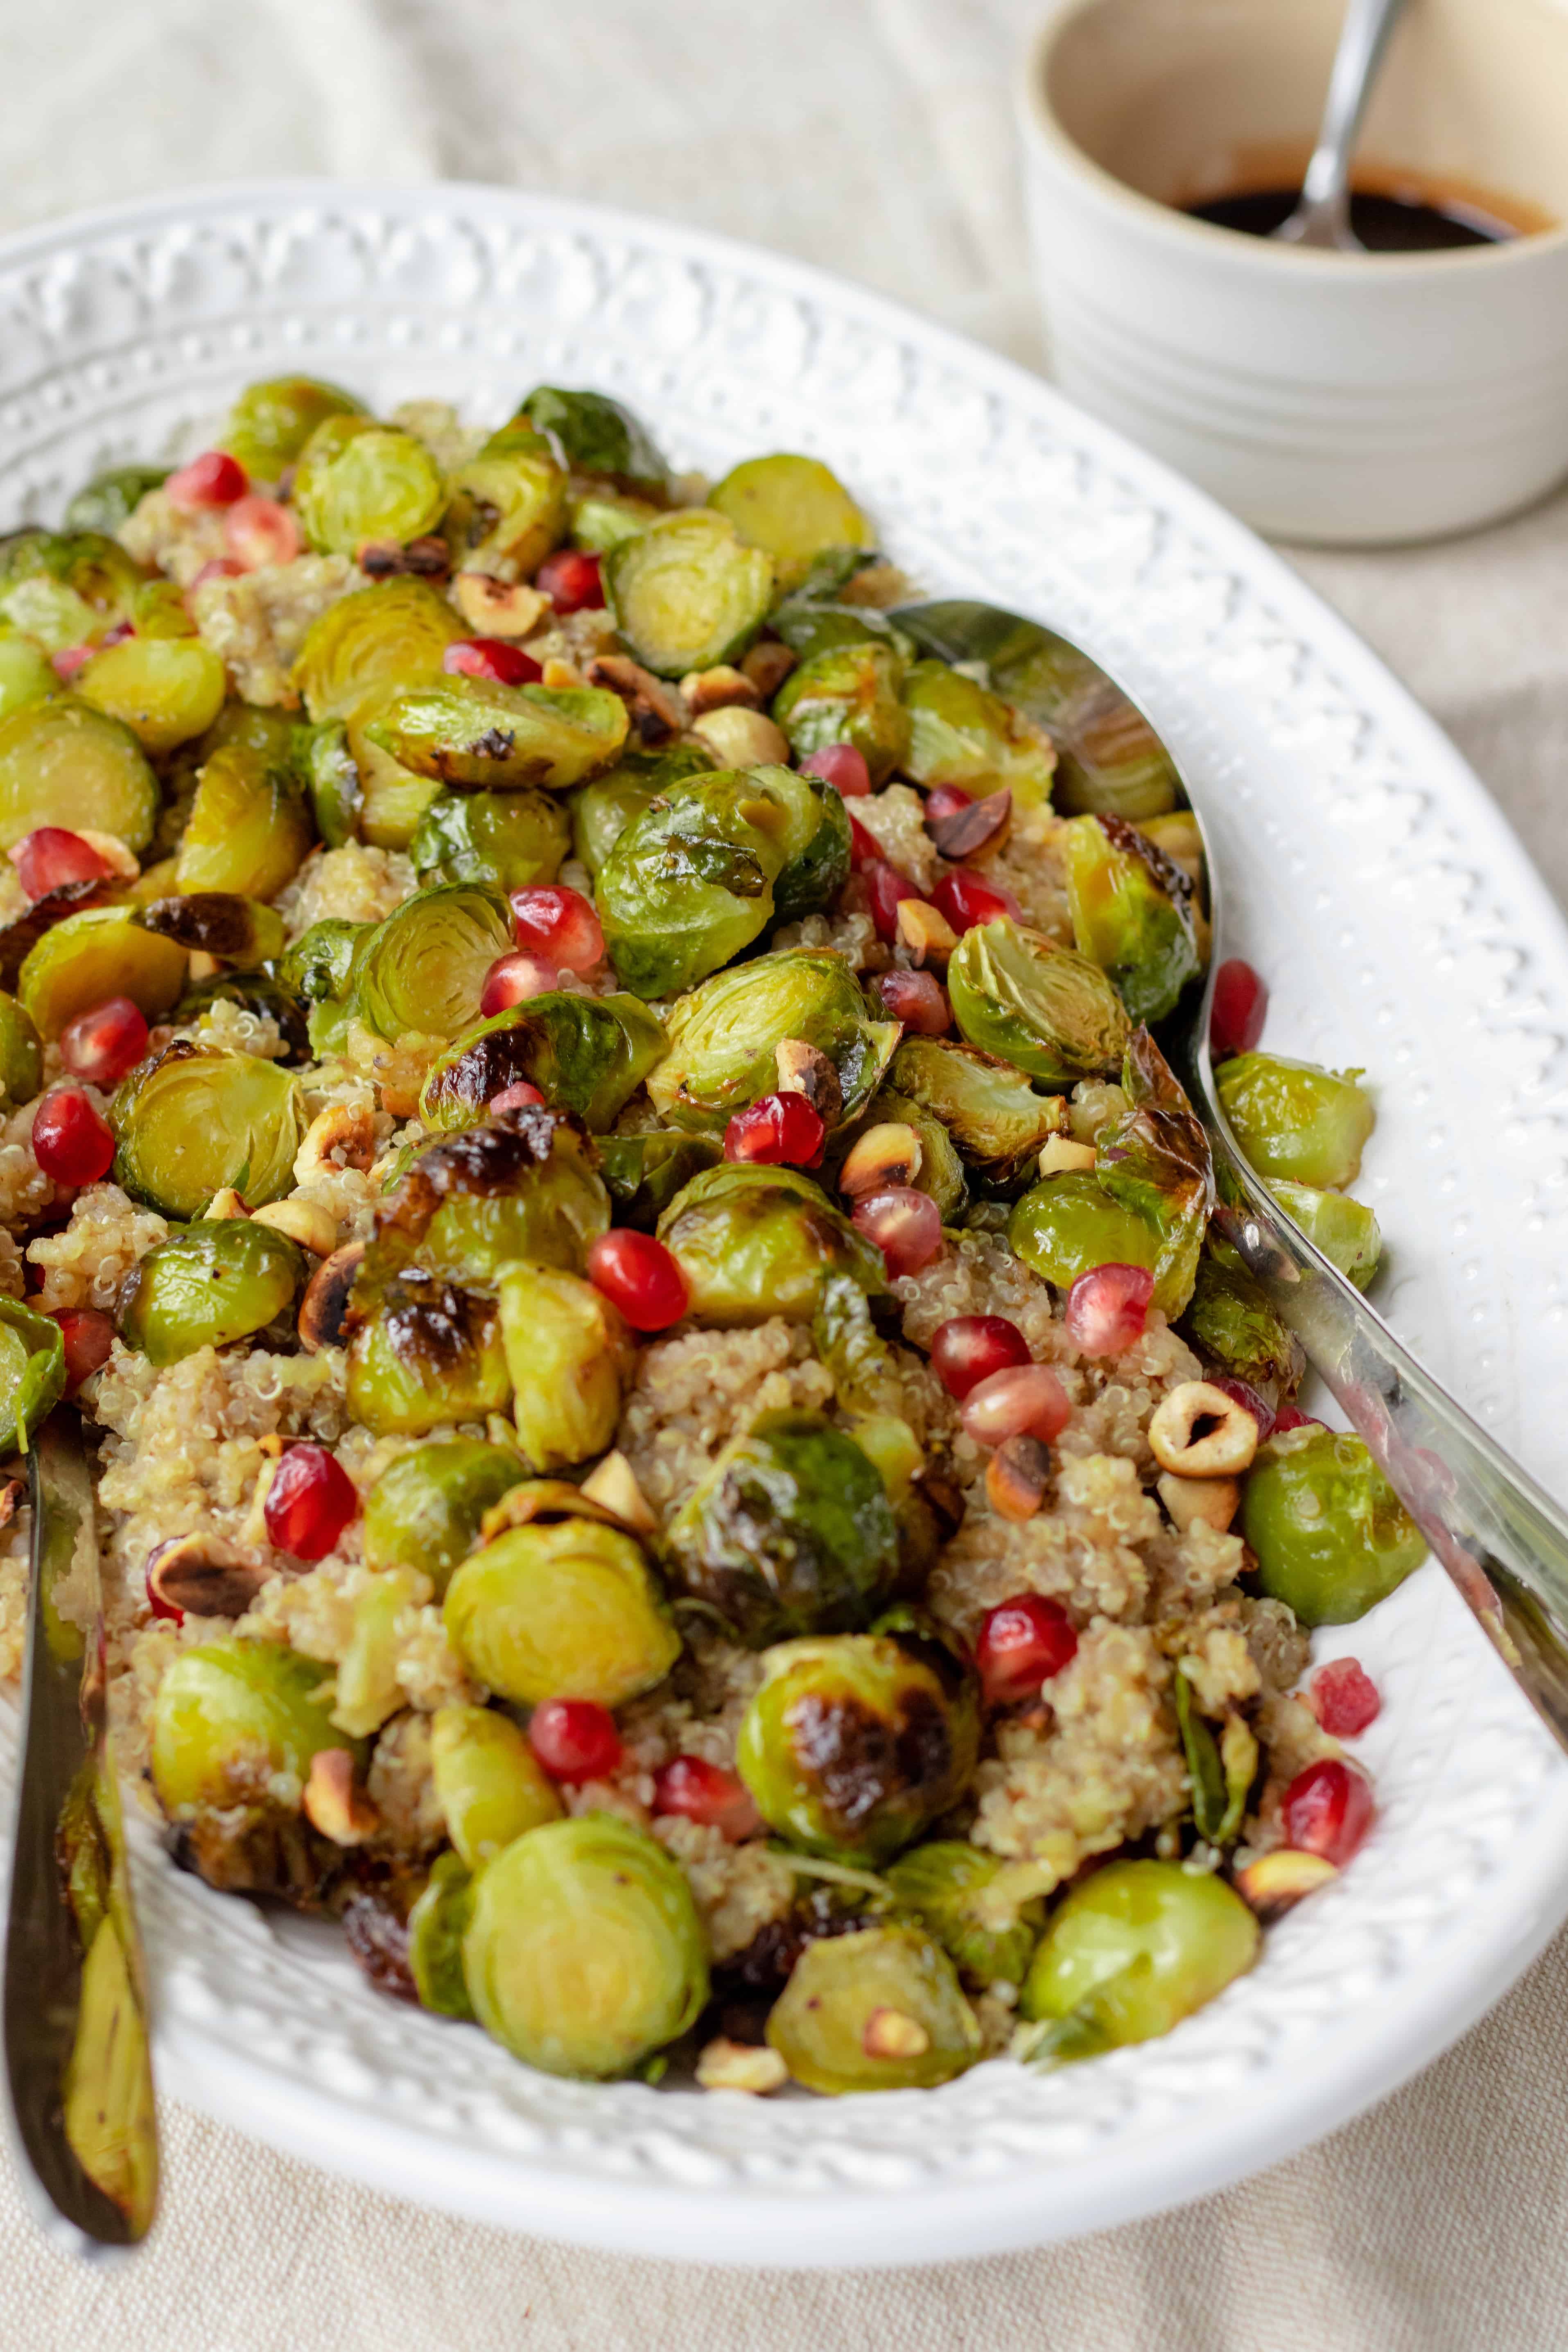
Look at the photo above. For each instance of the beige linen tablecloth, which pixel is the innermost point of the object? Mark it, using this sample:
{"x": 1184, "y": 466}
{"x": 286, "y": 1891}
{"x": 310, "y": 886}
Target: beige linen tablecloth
{"x": 872, "y": 136}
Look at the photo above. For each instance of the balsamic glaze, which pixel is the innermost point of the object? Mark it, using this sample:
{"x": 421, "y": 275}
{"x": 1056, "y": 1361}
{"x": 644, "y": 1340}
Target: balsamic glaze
{"x": 1384, "y": 223}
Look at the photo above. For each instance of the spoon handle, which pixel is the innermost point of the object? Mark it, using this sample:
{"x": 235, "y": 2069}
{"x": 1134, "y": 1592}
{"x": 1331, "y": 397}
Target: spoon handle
{"x": 1324, "y": 208}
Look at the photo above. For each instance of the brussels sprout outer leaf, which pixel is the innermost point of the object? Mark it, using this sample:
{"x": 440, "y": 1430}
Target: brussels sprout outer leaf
{"x": 436, "y": 1926}
{"x": 989, "y": 1109}
{"x": 1130, "y": 913}
{"x": 945, "y": 1883}
{"x": 32, "y": 1372}
{"x": 215, "y": 1282}
{"x": 597, "y": 435}
{"x": 1346, "y": 1230}
{"x": 1294, "y": 1119}
{"x": 586, "y": 1054}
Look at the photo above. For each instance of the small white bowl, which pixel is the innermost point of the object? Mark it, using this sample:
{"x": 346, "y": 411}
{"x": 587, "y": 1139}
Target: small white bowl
{"x": 1347, "y": 398}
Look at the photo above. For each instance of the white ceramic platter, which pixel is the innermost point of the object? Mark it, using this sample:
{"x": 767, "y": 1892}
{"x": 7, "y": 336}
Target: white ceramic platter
{"x": 1400, "y": 927}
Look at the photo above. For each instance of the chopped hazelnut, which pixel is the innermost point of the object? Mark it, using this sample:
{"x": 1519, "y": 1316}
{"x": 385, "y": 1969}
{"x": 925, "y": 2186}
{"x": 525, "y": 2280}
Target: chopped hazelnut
{"x": 726, "y": 2066}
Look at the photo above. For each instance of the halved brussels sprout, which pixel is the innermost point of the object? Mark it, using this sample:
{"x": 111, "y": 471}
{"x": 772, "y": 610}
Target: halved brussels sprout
{"x": 1068, "y": 1223}
{"x": 21, "y": 1052}
{"x": 585, "y": 1952}
{"x": 1294, "y": 1119}
{"x": 430, "y": 1353}
{"x": 1130, "y": 913}
{"x": 1133, "y": 1951}
{"x": 569, "y": 1354}
{"x": 812, "y": 622}
{"x": 58, "y": 759}
{"x": 424, "y": 968}
{"x": 946, "y": 1885}
{"x": 505, "y": 839}
{"x": 161, "y": 610}
{"x": 489, "y": 1783}
{"x": 436, "y": 1926}
{"x": 604, "y": 518}
{"x": 469, "y": 1206}
{"x": 865, "y": 1377}
{"x": 199, "y": 1118}
{"x": 66, "y": 588}
{"x": 1332, "y": 1538}
{"x": 469, "y": 732}
{"x": 32, "y": 1372}
{"x": 1154, "y": 1157}
{"x": 112, "y": 496}
{"x": 166, "y": 689}
{"x": 270, "y": 423}
{"x": 989, "y": 1109}
{"x": 755, "y": 1242}
{"x": 690, "y": 881}
{"x": 1346, "y": 1230}
{"x": 1230, "y": 1322}
{"x": 878, "y": 2010}
{"x": 392, "y": 634}
{"x": 597, "y": 435}
{"x": 238, "y": 931}
{"x": 393, "y": 799}
{"x": 249, "y": 829}
{"x": 100, "y": 952}
{"x": 688, "y": 591}
{"x": 602, "y": 810}
{"x": 794, "y": 507}
{"x": 358, "y": 480}
{"x": 1112, "y": 762}
{"x": 724, "y": 1037}
{"x": 961, "y": 733}
{"x": 425, "y": 1509}
{"x": 561, "y": 1609}
{"x": 322, "y": 962}
{"x": 332, "y": 780}
{"x": 940, "y": 1171}
{"x": 815, "y": 842}
{"x": 27, "y": 675}
{"x": 1044, "y": 1008}
{"x": 508, "y": 506}
{"x": 232, "y": 1718}
{"x": 217, "y": 1281}
{"x": 857, "y": 1742}
{"x": 645, "y": 1173}
{"x": 847, "y": 694}
{"x": 790, "y": 1532}
{"x": 587, "y": 1055}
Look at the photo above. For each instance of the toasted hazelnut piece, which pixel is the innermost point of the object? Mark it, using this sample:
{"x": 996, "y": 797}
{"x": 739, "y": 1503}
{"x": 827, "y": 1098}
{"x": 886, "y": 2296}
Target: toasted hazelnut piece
{"x": 321, "y": 1309}
{"x": 768, "y": 665}
{"x": 805, "y": 1069}
{"x": 498, "y": 608}
{"x": 224, "y": 1204}
{"x": 305, "y": 1222}
{"x": 342, "y": 1136}
{"x": 742, "y": 739}
{"x": 197, "y": 1574}
{"x": 397, "y": 1103}
{"x": 925, "y": 931}
{"x": 1017, "y": 1477}
{"x": 122, "y": 861}
{"x": 983, "y": 824}
{"x": 889, "y": 1153}
{"x": 614, "y": 1484}
{"x": 201, "y": 966}
{"x": 1191, "y": 1501}
{"x": 726, "y": 2066}
{"x": 333, "y": 1803}
{"x": 656, "y": 710}
{"x": 13, "y": 1494}
{"x": 1200, "y": 1433}
{"x": 563, "y": 673}
{"x": 1060, "y": 1152}
{"x": 892, "y": 2033}
{"x": 1275, "y": 1881}
{"x": 718, "y": 688}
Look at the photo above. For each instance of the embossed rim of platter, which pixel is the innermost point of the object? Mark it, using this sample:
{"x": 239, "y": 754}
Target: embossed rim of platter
{"x": 267, "y": 2026}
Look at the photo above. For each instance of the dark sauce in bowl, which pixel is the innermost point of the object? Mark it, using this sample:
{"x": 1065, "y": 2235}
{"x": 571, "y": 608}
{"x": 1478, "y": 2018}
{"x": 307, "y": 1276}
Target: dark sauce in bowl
{"x": 1383, "y": 223}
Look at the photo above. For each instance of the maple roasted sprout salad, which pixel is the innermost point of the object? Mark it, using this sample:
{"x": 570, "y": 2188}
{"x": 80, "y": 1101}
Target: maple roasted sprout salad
{"x": 677, "y": 1448}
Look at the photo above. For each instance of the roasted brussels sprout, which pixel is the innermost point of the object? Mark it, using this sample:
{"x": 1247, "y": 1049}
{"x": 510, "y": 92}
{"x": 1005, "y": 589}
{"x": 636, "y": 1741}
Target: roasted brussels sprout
{"x": 602, "y": 810}
{"x": 794, "y": 508}
{"x": 214, "y": 1282}
{"x": 358, "y": 480}
{"x": 1153, "y": 1159}
{"x": 1346, "y": 1230}
{"x": 961, "y": 733}
{"x": 585, "y": 1053}
{"x": 755, "y": 1242}
{"x": 59, "y": 756}
{"x": 645, "y": 1173}
{"x": 1068, "y": 1223}
{"x": 815, "y": 841}
{"x": 690, "y": 881}
{"x": 161, "y": 610}
{"x": 791, "y": 1532}
{"x": 847, "y": 694}
{"x": 567, "y": 1608}
{"x": 368, "y": 1691}
{"x": 471, "y": 733}
{"x": 322, "y": 961}
{"x": 857, "y": 1742}
{"x": 428, "y": 1353}
{"x": 597, "y": 435}
{"x": 585, "y": 1953}
{"x": 1230, "y": 1322}
{"x": 249, "y": 829}
{"x": 470, "y": 1205}
{"x": 1332, "y": 1538}
{"x": 393, "y": 799}
{"x": 332, "y": 780}
{"x": 424, "y": 968}
{"x": 1130, "y": 913}
{"x": 66, "y": 588}
{"x": 686, "y": 591}
{"x": 508, "y": 505}
{"x": 425, "y": 1509}
{"x": 505, "y": 839}
{"x": 32, "y": 1372}
{"x": 198, "y": 1119}
{"x": 234, "y": 1722}
{"x": 1045, "y": 1009}
{"x": 569, "y": 1354}
{"x": 112, "y": 496}
{"x": 436, "y": 1926}
{"x": 166, "y": 689}
{"x": 22, "y": 1058}
{"x": 1130, "y": 1952}
{"x": 491, "y": 1787}
{"x": 877, "y": 2010}
{"x": 1112, "y": 762}
{"x": 98, "y": 952}
{"x": 27, "y": 675}
{"x": 270, "y": 423}
{"x": 602, "y": 519}
{"x": 988, "y": 1109}
{"x": 390, "y": 635}
{"x": 940, "y": 1171}
{"x": 238, "y": 931}
{"x": 946, "y": 1885}
{"x": 724, "y": 1038}
{"x": 1294, "y": 1119}
{"x": 811, "y": 621}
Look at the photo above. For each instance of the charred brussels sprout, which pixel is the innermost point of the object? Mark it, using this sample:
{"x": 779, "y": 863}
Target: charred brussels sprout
{"x": 961, "y": 733}
{"x": 1331, "y": 1537}
{"x": 1130, "y": 913}
{"x": 425, "y": 1509}
{"x": 253, "y": 991}
{"x": 428, "y": 1353}
{"x": 32, "y": 1372}
{"x": 568, "y": 1353}
{"x": 508, "y": 505}
{"x": 59, "y": 756}
{"x": 1346, "y": 1230}
{"x": 1068, "y": 1223}
{"x": 597, "y": 435}
{"x": 948, "y": 1885}
{"x": 198, "y": 1119}
{"x": 393, "y": 634}
{"x": 27, "y": 675}
{"x": 1132, "y": 1951}
{"x": 22, "y": 1056}
{"x": 724, "y": 1038}
{"x": 688, "y": 591}
{"x": 112, "y": 496}
{"x": 332, "y": 780}
{"x": 425, "y": 967}
{"x": 249, "y": 829}
{"x": 1153, "y": 1159}
{"x": 690, "y": 882}
{"x": 504, "y": 839}
{"x": 585, "y": 1953}
{"x": 100, "y": 952}
{"x": 857, "y": 1742}
{"x": 1045, "y": 1009}
{"x": 1296, "y": 1120}
{"x": 988, "y": 1109}
{"x": 238, "y": 931}
{"x": 393, "y": 799}
{"x": 878, "y": 2010}
{"x": 587, "y": 1055}
{"x": 564, "y": 1608}
{"x": 471, "y": 1204}
{"x": 234, "y": 1717}
{"x": 270, "y": 423}
{"x": 166, "y": 689}
{"x": 847, "y": 694}
{"x": 602, "y": 810}
{"x": 1230, "y": 1323}
{"x": 794, "y": 508}
{"x": 436, "y": 1926}
{"x": 488, "y": 1784}
{"x": 755, "y": 1242}
{"x": 791, "y": 1532}
{"x": 358, "y": 480}
{"x": 66, "y": 588}
{"x": 322, "y": 962}
{"x": 645, "y": 1173}
{"x": 213, "y": 1283}
{"x": 473, "y": 734}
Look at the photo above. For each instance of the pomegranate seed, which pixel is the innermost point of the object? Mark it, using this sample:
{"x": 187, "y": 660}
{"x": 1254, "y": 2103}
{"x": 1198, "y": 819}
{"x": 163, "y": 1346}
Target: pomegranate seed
{"x": 512, "y": 979}
{"x": 213, "y": 479}
{"x": 1328, "y": 1810}
{"x": 221, "y": 567}
{"x": 515, "y": 1097}
{"x": 906, "y": 1226}
{"x": 1287, "y": 1417}
{"x": 967, "y": 1349}
{"x": 493, "y": 658}
{"x": 1108, "y": 1308}
{"x": 888, "y": 887}
{"x": 50, "y": 858}
{"x": 843, "y": 767}
{"x": 310, "y": 1503}
{"x": 865, "y": 849}
{"x": 69, "y": 659}
{"x": 559, "y": 923}
{"x": 1248, "y": 1399}
{"x": 641, "y": 1277}
{"x": 103, "y": 1044}
{"x": 259, "y": 531}
{"x": 117, "y": 634}
{"x": 966, "y": 901}
{"x": 1240, "y": 1006}
{"x": 574, "y": 1738}
{"x": 777, "y": 1129}
{"x": 155, "y": 1599}
{"x": 947, "y": 801}
{"x": 1021, "y": 1645}
{"x": 707, "y": 1793}
{"x": 918, "y": 999}
{"x": 1344, "y": 1698}
{"x": 71, "y": 1143}
{"x": 88, "y": 1337}
{"x": 1024, "y": 1401}
{"x": 571, "y": 581}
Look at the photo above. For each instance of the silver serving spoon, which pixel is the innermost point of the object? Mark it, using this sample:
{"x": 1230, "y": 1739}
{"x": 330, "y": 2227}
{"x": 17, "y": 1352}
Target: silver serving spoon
{"x": 1501, "y": 1537}
{"x": 1322, "y": 218}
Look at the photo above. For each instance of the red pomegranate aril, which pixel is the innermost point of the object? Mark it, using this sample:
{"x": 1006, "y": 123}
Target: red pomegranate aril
{"x": 550, "y": 919}
{"x": 50, "y": 858}
{"x": 888, "y": 889}
{"x": 258, "y": 530}
{"x": 512, "y": 979}
{"x": 705, "y": 1792}
{"x": 865, "y": 849}
{"x": 1328, "y": 1810}
{"x": 310, "y": 1503}
{"x": 639, "y": 1276}
{"x": 1249, "y": 1399}
{"x": 103, "y": 1042}
{"x": 520, "y": 1095}
{"x": 221, "y": 567}
{"x": 1239, "y": 1009}
{"x": 155, "y": 1601}
{"x": 906, "y": 1226}
{"x": 1343, "y": 1697}
{"x": 843, "y": 767}
{"x": 1024, "y": 1401}
{"x": 1021, "y": 1645}
{"x": 88, "y": 1337}
{"x": 945, "y": 801}
{"x": 213, "y": 479}
{"x": 1287, "y": 1417}
{"x": 574, "y": 1738}
{"x": 69, "y": 659}
{"x": 967, "y": 1349}
{"x": 492, "y": 658}
{"x": 71, "y": 1143}
{"x": 780, "y": 1130}
{"x": 918, "y": 999}
{"x": 571, "y": 581}
{"x": 966, "y": 901}
{"x": 1108, "y": 1308}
